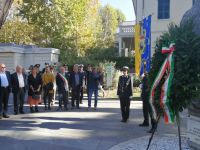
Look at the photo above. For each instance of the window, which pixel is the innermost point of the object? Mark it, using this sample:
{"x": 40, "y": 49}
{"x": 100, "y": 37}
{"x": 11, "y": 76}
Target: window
{"x": 163, "y": 9}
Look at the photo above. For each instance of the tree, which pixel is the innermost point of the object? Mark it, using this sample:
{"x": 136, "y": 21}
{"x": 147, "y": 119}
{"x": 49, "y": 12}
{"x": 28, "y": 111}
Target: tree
{"x": 110, "y": 18}
{"x": 186, "y": 81}
{"x": 4, "y": 8}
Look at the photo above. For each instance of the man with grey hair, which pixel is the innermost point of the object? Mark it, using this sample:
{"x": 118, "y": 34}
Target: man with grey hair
{"x": 63, "y": 88}
{"x": 76, "y": 83}
{"x": 18, "y": 82}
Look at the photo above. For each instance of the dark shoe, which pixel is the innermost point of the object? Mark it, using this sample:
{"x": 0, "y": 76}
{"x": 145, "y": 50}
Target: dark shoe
{"x": 21, "y": 112}
{"x": 36, "y": 109}
{"x": 123, "y": 120}
{"x": 144, "y": 125}
{"x": 59, "y": 109}
{"x": 31, "y": 110}
{"x": 15, "y": 113}
{"x": 0, "y": 117}
{"x": 81, "y": 103}
{"x": 5, "y": 116}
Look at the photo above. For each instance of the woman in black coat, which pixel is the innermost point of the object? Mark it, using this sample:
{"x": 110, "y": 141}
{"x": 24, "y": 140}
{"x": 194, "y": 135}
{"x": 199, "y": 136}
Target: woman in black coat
{"x": 34, "y": 89}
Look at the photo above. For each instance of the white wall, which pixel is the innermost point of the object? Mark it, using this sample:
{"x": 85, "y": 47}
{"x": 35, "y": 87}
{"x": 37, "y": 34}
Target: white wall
{"x": 177, "y": 10}
{"x": 7, "y": 59}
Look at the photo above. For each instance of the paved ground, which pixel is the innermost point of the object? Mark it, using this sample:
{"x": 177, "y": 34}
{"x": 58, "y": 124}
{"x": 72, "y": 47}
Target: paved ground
{"x": 76, "y": 129}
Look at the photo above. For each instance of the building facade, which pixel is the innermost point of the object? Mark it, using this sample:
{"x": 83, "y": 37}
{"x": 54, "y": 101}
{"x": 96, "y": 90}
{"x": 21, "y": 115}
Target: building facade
{"x": 163, "y": 13}
{"x": 26, "y": 55}
{"x": 124, "y": 38}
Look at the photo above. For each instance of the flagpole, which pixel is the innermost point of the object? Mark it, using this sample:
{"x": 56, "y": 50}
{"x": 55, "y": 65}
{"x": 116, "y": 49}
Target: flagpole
{"x": 154, "y": 130}
{"x": 179, "y": 129}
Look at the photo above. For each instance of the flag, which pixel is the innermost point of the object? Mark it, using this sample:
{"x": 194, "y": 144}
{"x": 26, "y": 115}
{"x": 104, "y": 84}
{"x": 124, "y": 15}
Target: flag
{"x": 146, "y": 53}
{"x": 137, "y": 49}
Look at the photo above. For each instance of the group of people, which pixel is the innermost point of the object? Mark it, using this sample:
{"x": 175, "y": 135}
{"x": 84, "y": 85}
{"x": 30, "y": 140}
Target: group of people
{"x": 41, "y": 85}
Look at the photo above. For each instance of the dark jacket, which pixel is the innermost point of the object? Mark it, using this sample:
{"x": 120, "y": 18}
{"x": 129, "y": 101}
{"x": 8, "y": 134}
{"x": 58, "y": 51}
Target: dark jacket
{"x": 72, "y": 81}
{"x": 93, "y": 81}
{"x": 15, "y": 82}
{"x": 124, "y": 86}
{"x": 9, "y": 80}
{"x": 60, "y": 83}
{"x": 145, "y": 89}
{"x": 35, "y": 83}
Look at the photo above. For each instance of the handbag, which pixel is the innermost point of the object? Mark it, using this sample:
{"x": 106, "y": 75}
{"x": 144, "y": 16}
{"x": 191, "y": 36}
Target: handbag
{"x": 35, "y": 96}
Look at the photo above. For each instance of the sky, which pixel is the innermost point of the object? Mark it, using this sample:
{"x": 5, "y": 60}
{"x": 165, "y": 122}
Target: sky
{"x": 126, "y": 6}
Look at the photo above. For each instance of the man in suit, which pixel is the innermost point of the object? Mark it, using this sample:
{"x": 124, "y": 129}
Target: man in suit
{"x": 83, "y": 76}
{"x": 76, "y": 83}
{"x": 18, "y": 82}
{"x": 5, "y": 79}
{"x": 124, "y": 91}
{"x": 63, "y": 88}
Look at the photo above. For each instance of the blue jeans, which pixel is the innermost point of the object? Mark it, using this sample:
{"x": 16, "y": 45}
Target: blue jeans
{"x": 91, "y": 91}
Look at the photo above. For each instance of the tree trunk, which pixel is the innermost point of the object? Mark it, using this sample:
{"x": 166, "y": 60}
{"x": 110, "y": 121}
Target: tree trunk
{"x": 4, "y": 9}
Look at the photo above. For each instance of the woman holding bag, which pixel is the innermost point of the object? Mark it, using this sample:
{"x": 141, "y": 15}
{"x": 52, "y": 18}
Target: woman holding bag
{"x": 34, "y": 89}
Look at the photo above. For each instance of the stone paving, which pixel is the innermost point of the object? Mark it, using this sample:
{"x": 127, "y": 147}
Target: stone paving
{"x": 99, "y": 129}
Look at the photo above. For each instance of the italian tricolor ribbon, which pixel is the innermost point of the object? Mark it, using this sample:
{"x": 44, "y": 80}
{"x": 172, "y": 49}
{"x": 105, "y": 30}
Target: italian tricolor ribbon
{"x": 168, "y": 49}
{"x": 166, "y": 71}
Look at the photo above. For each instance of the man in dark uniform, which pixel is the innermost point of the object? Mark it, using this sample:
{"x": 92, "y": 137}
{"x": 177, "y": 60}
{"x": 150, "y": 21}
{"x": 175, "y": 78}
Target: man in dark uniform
{"x": 125, "y": 92}
{"x": 144, "y": 97}
{"x": 146, "y": 106}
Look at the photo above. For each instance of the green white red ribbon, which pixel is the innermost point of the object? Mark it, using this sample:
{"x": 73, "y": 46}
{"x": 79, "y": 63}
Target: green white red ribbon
{"x": 169, "y": 49}
{"x": 167, "y": 69}
{"x": 165, "y": 100}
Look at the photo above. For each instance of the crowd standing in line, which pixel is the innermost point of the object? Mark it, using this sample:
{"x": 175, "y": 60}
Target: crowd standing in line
{"x": 43, "y": 85}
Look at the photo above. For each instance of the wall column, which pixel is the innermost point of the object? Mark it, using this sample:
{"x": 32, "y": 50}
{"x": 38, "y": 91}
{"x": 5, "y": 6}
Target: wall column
{"x": 120, "y": 46}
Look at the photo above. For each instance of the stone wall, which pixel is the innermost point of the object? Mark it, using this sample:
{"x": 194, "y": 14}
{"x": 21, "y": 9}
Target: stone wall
{"x": 13, "y": 55}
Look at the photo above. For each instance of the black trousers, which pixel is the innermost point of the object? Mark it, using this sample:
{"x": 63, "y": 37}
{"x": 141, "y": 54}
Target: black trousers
{"x": 19, "y": 100}
{"x": 76, "y": 96}
{"x": 145, "y": 110}
{"x": 63, "y": 99}
{"x": 125, "y": 107}
{"x": 81, "y": 95}
{"x": 4, "y": 96}
{"x": 48, "y": 97}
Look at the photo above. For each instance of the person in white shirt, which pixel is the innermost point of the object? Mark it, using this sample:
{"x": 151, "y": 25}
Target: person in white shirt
{"x": 4, "y": 90}
{"x": 18, "y": 81}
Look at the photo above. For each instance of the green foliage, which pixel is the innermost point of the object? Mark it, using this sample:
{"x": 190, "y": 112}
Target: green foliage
{"x": 136, "y": 81}
{"x": 186, "y": 81}
{"x": 110, "y": 18}
{"x": 99, "y": 55}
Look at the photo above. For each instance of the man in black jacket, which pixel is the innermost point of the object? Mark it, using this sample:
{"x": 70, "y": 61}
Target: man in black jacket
{"x": 63, "y": 88}
{"x": 83, "y": 76}
{"x": 76, "y": 83}
{"x": 5, "y": 80}
{"x": 124, "y": 91}
{"x": 18, "y": 82}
